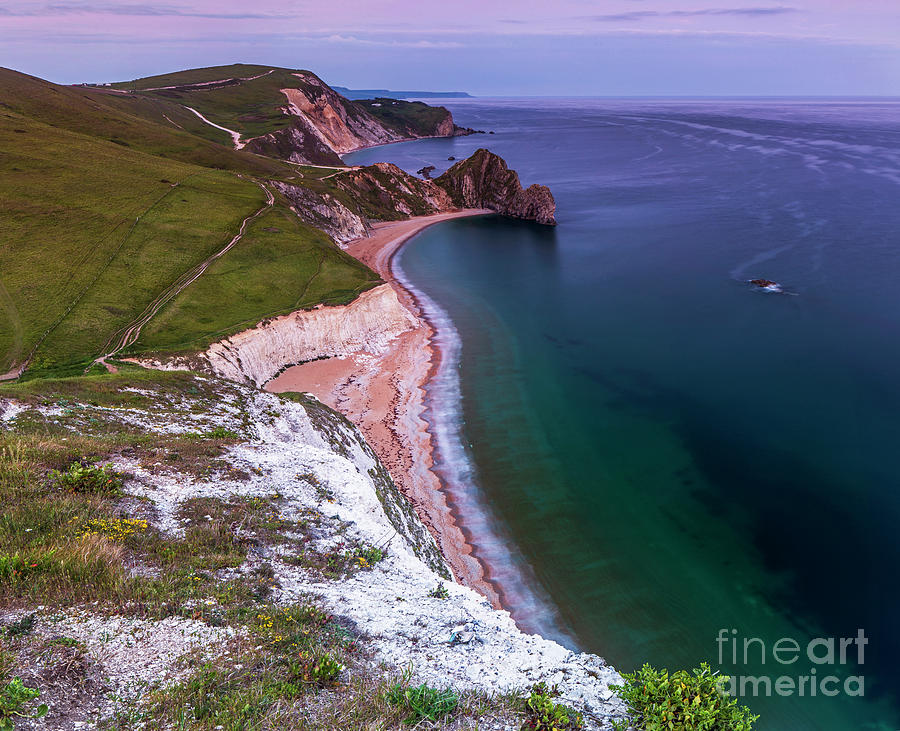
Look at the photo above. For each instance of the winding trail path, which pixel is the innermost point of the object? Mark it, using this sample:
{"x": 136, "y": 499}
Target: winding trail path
{"x": 129, "y": 335}
{"x": 235, "y": 136}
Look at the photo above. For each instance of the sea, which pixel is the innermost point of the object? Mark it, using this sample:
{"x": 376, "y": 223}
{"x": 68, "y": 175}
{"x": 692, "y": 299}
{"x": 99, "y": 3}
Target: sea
{"x": 658, "y": 461}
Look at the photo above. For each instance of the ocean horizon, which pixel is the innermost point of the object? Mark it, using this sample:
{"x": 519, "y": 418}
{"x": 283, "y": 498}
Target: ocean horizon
{"x": 652, "y": 450}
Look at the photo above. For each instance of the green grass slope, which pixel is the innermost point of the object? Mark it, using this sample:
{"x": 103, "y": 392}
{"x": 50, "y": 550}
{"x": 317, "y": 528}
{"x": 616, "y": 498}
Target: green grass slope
{"x": 103, "y": 210}
{"x": 94, "y": 231}
{"x": 129, "y": 122}
{"x": 251, "y": 106}
{"x": 284, "y": 265}
{"x": 195, "y": 76}
{"x": 407, "y": 118}
{"x": 248, "y": 99}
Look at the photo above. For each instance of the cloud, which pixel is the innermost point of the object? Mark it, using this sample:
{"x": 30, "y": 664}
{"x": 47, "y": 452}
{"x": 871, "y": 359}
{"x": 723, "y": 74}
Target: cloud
{"x": 134, "y": 10}
{"x": 643, "y": 14}
{"x": 338, "y": 38}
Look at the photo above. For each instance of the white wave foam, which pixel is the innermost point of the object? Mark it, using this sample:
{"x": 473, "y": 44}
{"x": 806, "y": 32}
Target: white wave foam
{"x": 526, "y": 600}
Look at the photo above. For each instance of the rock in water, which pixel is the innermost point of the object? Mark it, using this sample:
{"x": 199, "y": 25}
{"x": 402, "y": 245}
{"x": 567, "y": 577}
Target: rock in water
{"x": 766, "y": 284}
{"x": 484, "y": 181}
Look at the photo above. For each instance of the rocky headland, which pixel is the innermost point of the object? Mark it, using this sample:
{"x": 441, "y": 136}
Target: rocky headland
{"x": 384, "y": 192}
{"x": 485, "y": 181}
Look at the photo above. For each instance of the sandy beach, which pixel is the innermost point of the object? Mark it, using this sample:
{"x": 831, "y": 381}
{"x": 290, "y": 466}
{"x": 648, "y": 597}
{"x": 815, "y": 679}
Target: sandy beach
{"x": 384, "y": 395}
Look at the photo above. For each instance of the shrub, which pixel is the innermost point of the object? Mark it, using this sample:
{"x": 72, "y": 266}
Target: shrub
{"x": 542, "y": 714}
{"x": 421, "y": 703}
{"x": 681, "y": 701}
{"x": 340, "y": 561}
{"x": 439, "y": 592}
{"x": 89, "y": 479}
{"x": 14, "y": 697}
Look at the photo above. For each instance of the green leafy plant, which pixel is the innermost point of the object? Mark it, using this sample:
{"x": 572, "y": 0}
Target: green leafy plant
{"x": 682, "y": 701}
{"x": 21, "y": 626}
{"x": 439, "y": 592}
{"x": 320, "y": 671}
{"x": 64, "y": 642}
{"x": 89, "y": 479}
{"x": 17, "y": 567}
{"x": 367, "y": 556}
{"x": 421, "y": 702}
{"x": 14, "y": 697}
{"x": 542, "y": 714}
{"x": 219, "y": 432}
{"x": 340, "y": 561}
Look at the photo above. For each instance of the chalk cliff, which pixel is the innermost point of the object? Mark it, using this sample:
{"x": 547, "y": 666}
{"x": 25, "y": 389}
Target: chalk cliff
{"x": 288, "y": 452}
{"x": 368, "y": 323}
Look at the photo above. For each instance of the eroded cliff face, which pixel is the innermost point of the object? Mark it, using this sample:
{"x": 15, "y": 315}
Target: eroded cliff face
{"x": 299, "y": 143}
{"x": 484, "y": 181}
{"x": 296, "y": 449}
{"x": 385, "y": 192}
{"x": 381, "y": 192}
{"x": 325, "y": 212}
{"x": 342, "y": 125}
{"x": 446, "y": 128}
{"x": 368, "y": 323}
{"x": 325, "y": 125}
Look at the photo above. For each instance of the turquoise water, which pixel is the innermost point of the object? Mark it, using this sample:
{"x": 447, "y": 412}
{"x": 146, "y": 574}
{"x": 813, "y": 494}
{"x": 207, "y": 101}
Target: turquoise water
{"x": 670, "y": 452}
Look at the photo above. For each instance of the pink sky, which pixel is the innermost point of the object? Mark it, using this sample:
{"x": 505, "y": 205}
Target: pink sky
{"x": 852, "y": 44}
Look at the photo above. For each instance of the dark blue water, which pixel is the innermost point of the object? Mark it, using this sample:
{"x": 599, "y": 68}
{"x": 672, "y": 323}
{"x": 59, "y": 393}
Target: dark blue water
{"x": 671, "y": 452}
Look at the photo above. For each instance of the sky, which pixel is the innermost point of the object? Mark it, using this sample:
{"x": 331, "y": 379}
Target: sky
{"x": 485, "y": 47}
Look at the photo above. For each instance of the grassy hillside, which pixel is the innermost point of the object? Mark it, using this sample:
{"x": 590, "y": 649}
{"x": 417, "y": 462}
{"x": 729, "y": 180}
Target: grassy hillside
{"x": 248, "y": 99}
{"x": 407, "y": 118}
{"x": 195, "y": 76}
{"x": 283, "y": 266}
{"x": 129, "y": 122}
{"x": 104, "y": 209}
{"x": 251, "y": 106}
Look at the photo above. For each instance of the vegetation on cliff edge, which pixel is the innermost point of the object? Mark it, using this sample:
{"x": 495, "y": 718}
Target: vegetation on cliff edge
{"x": 99, "y": 555}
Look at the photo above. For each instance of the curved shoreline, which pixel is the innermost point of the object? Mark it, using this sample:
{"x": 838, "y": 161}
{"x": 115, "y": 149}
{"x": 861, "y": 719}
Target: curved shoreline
{"x": 384, "y": 395}
{"x": 518, "y": 589}
{"x": 394, "y": 398}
